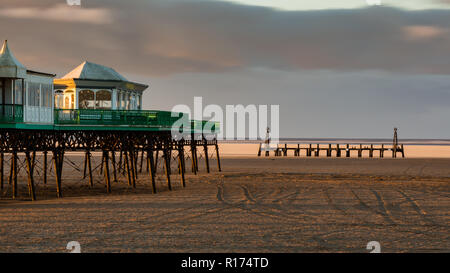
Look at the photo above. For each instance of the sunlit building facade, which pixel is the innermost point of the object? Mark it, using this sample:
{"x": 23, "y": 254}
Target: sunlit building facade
{"x": 94, "y": 86}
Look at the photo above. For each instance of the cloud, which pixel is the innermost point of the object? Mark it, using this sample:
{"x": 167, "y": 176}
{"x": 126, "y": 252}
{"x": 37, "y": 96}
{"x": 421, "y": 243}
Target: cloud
{"x": 61, "y": 12}
{"x": 424, "y": 32}
{"x": 163, "y": 37}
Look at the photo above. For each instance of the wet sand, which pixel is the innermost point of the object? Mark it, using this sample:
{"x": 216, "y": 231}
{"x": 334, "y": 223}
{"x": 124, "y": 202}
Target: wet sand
{"x": 254, "y": 205}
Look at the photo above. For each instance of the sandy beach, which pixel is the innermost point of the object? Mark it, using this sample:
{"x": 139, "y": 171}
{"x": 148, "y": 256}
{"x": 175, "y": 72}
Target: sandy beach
{"x": 255, "y": 205}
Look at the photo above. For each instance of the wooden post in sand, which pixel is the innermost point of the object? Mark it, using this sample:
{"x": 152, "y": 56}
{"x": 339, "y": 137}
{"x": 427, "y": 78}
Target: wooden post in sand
{"x": 205, "y": 149}
{"x": 360, "y": 151}
{"x": 347, "y": 151}
{"x": 106, "y": 170}
{"x": 194, "y": 157}
{"x": 181, "y": 164}
{"x": 30, "y": 177}
{"x": 218, "y": 157}
{"x": 167, "y": 167}
{"x": 132, "y": 166}
{"x": 382, "y": 151}
{"x": 45, "y": 167}
{"x": 58, "y": 159}
{"x": 151, "y": 164}
{"x": 371, "y": 151}
{"x": 128, "y": 169}
{"x": 113, "y": 163}
{"x": 89, "y": 167}
{"x": 2, "y": 165}
{"x": 156, "y": 161}
{"x": 14, "y": 174}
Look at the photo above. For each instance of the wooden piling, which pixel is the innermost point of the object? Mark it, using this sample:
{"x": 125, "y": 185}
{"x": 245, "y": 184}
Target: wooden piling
{"x": 89, "y": 166}
{"x": 218, "y": 158}
{"x": 106, "y": 171}
{"x": 181, "y": 165}
{"x": 113, "y": 163}
{"x": 57, "y": 160}
{"x": 205, "y": 149}
{"x": 2, "y": 165}
{"x": 14, "y": 174}
{"x": 131, "y": 160}
{"x": 45, "y": 167}
{"x": 151, "y": 164}
{"x": 194, "y": 153}
{"x": 31, "y": 189}
{"x": 128, "y": 169}
{"x": 167, "y": 167}
{"x": 142, "y": 161}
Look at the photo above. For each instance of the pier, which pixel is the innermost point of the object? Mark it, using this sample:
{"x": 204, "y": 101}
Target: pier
{"x": 334, "y": 150}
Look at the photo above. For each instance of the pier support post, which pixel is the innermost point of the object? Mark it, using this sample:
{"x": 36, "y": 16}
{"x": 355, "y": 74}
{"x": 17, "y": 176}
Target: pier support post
{"x": 382, "y": 151}
{"x": 106, "y": 171}
{"x": 132, "y": 166}
{"x": 31, "y": 189}
{"x": 218, "y": 158}
{"x": 151, "y": 172}
{"x": 142, "y": 161}
{"x": 371, "y": 151}
{"x": 2, "y": 165}
{"x": 360, "y": 151}
{"x": 205, "y": 149}
{"x": 347, "y": 151}
{"x": 167, "y": 167}
{"x": 14, "y": 174}
{"x": 58, "y": 158}
{"x": 45, "y": 166}
{"x": 127, "y": 167}
{"x": 89, "y": 168}
{"x": 113, "y": 163}
{"x": 181, "y": 164}
{"x": 156, "y": 160}
{"x": 194, "y": 156}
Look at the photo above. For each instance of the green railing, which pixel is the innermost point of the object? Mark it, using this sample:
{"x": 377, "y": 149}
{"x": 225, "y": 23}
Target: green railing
{"x": 11, "y": 113}
{"x": 205, "y": 126}
{"x": 146, "y": 118}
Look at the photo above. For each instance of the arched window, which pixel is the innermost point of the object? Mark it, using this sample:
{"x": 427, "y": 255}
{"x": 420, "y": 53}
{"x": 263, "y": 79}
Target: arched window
{"x": 59, "y": 99}
{"x": 69, "y": 99}
{"x": 103, "y": 99}
{"x": 86, "y": 99}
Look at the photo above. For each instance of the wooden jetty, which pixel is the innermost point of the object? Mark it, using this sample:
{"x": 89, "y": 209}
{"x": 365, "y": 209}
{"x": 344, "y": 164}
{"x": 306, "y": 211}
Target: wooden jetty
{"x": 336, "y": 150}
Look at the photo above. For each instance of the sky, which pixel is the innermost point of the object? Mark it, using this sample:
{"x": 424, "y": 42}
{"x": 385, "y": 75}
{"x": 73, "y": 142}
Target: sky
{"x": 343, "y": 69}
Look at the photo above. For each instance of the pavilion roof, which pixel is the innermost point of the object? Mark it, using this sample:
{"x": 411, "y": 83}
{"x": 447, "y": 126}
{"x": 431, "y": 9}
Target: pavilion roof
{"x": 92, "y": 71}
{"x": 10, "y": 67}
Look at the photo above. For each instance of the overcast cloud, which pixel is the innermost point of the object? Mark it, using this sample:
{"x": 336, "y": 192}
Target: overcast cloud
{"x": 168, "y": 42}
